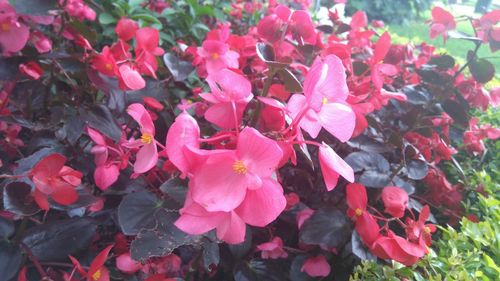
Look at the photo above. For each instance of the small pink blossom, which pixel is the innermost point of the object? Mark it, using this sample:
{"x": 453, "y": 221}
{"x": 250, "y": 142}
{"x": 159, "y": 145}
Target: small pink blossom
{"x": 217, "y": 56}
{"x": 147, "y": 156}
{"x": 316, "y": 266}
{"x": 273, "y": 249}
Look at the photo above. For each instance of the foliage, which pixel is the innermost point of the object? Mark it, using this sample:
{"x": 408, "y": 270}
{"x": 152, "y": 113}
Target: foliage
{"x": 469, "y": 253}
{"x": 187, "y": 140}
{"x": 390, "y": 11}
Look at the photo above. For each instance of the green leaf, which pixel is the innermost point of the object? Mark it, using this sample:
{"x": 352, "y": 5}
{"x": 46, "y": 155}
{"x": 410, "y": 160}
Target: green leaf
{"x": 326, "y": 227}
{"x": 161, "y": 240}
{"x": 136, "y": 212}
{"x": 292, "y": 84}
{"x": 57, "y": 239}
{"x": 106, "y": 18}
{"x": 482, "y": 70}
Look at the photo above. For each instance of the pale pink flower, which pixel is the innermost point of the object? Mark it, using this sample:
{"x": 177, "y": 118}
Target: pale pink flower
{"x": 323, "y": 104}
{"x": 230, "y": 94}
{"x": 316, "y": 266}
{"x": 217, "y": 55}
{"x": 147, "y": 156}
{"x": 332, "y": 166}
{"x": 273, "y": 249}
{"x": 221, "y": 183}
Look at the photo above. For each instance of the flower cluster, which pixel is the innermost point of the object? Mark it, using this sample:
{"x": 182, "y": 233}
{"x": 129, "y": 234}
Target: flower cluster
{"x": 267, "y": 136}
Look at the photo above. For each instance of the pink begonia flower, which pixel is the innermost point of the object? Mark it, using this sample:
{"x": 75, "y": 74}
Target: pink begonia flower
{"x": 316, "y": 266}
{"x": 220, "y": 184}
{"x": 147, "y": 39}
{"x": 126, "y": 264}
{"x": 324, "y": 101}
{"x": 259, "y": 208}
{"x": 13, "y": 34}
{"x": 273, "y": 249}
{"x": 303, "y": 215}
{"x": 184, "y": 131}
{"x": 442, "y": 21}
{"x": 217, "y": 56}
{"x": 41, "y": 42}
{"x": 105, "y": 175}
{"x": 230, "y": 94}
{"x": 108, "y": 169}
{"x": 129, "y": 78}
{"x": 395, "y": 201}
{"x": 332, "y": 166}
{"x": 125, "y": 28}
{"x": 55, "y": 180}
{"x": 147, "y": 156}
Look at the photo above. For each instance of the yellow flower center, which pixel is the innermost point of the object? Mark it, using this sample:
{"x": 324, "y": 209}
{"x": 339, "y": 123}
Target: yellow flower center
{"x": 146, "y": 138}
{"x": 96, "y": 275}
{"x": 215, "y": 56}
{"x": 427, "y": 230}
{"x": 109, "y": 66}
{"x": 325, "y": 101}
{"x": 239, "y": 167}
{"x": 5, "y": 26}
{"x": 358, "y": 212}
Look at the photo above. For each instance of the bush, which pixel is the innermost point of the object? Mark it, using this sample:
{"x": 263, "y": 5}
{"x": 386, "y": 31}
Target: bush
{"x": 145, "y": 140}
{"x": 390, "y": 11}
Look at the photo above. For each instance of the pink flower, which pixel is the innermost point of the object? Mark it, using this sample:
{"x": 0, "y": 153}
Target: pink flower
{"x": 41, "y": 42}
{"x": 217, "y": 56}
{"x": 32, "y": 70}
{"x": 147, "y": 156}
{"x": 126, "y": 28}
{"x": 53, "y": 179}
{"x": 230, "y": 95}
{"x": 316, "y": 266}
{"x": 183, "y": 132}
{"x": 13, "y": 34}
{"x": 303, "y": 215}
{"x": 395, "y": 201}
{"x": 323, "y": 104}
{"x": 442, "y": 21}
{"x": 147, "y": 39}
{"x": 126, "y": 264}
{"x": 332, "y": 166}
{"x": 221, "y": 183}
{"x": 129, "y": 78}
{"x": 273, "y": 249}
{"x": 259, "y": 208}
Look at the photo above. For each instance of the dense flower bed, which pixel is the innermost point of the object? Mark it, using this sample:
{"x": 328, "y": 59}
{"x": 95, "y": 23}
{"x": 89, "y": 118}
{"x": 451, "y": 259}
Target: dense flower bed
{"x": 158, "y": 140}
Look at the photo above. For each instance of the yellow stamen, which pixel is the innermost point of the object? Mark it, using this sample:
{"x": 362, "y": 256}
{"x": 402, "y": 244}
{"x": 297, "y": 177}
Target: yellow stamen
{"x": 215, "y": 56}
{"x": 325, "y": 101}
{"x": 358, "y": 212}
{"x": 5, "y": 26}
{"x": 427, "y": 230}
{"x": 96, "y": 275}
{"x": 146, "y": 138}
{"x": 239, "y": 167}
{"x": 109, "y": 66}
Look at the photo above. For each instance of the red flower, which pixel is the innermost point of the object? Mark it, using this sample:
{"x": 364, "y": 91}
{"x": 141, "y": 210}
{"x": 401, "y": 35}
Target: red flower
{"x": 97, "y": 271}
{"x": 418, "y": 231}
{"x": 126, "y": 28}
{"x": 399, "y": 249}
{"x": 32, "y": 70}
{"x": 357, "y": 201}
{"x": 53, "y": 179}
{"x": 395, "y": 201}
{"x": 442, "y": 21}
